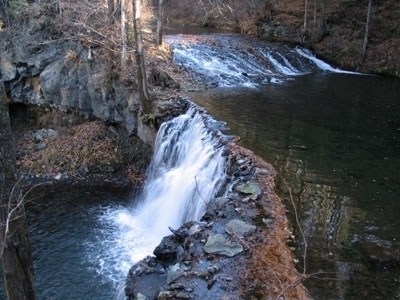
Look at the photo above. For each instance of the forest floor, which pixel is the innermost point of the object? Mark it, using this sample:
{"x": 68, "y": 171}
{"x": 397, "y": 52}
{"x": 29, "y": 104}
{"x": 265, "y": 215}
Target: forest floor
{"x": 342, "y": 41}
{"x": 55, "y": 147}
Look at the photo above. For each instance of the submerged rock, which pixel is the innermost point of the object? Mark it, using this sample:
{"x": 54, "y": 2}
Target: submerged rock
{"x": 218, "y": 244}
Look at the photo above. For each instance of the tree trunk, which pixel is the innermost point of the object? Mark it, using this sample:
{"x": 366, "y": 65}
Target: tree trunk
{"x": 159, "y": 22}
{"x": 305, "y": 25}
{"x": 315, "y": 16}
{"x": 111, "y": 11}
{"x": 323, "y": 25}
{"x": 15, "y": 248}
{"x": 367, "y": 24}
{"x": 124, "y": 36}
{"x": 142, "y": 78}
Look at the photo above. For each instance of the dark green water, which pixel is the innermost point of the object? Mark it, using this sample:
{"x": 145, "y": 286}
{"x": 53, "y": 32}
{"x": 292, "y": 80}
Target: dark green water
{"x": 74, "y": 242}
{"x": 335, "y": 141}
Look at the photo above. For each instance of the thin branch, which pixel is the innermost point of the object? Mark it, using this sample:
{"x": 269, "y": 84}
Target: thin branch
{"x": 300, "y": 228}
{"x": 13, "y": 207}
{"x": 198, "y": 191}
{"x": 261, "y": 257}
{"x": 294, "y": 284}
{"x": 99, "y": 33}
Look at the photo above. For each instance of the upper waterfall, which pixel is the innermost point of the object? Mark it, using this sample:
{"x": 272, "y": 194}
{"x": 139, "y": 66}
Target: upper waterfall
{"x": 229, "y": 60}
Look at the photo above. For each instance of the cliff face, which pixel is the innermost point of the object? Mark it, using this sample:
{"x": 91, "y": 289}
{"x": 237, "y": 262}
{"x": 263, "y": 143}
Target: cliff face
{"x": 41, "y": 66}
{"x": 335, "y": 29}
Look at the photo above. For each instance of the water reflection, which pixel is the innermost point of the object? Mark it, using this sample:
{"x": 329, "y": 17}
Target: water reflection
{"x": 334, "y": 140}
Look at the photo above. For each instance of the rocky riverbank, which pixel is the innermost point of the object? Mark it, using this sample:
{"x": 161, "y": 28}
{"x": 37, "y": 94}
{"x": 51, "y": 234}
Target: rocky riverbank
{"x": 64, "y": 148}
{"x": 238, "y": 250}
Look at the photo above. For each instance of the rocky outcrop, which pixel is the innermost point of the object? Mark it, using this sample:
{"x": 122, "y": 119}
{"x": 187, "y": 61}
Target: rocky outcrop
{"x": 60, "y": 74}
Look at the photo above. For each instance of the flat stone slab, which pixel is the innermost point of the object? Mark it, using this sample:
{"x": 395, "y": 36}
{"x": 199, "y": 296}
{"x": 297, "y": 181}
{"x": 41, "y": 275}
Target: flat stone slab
{"x": 218, "y": 244}
{"x": 249, "y": 188}
{"x": 239, "y": 227}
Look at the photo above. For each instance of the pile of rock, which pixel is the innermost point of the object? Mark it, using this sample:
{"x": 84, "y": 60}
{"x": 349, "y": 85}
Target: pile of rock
{"x": 200, "y": 259}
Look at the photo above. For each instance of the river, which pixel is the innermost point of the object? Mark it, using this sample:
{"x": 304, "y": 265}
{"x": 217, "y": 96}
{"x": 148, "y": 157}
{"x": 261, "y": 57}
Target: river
{"x": 334, "y": 139}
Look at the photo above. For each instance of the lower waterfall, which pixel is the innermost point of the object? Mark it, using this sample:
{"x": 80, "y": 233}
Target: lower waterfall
{"x": 187, "y": 170}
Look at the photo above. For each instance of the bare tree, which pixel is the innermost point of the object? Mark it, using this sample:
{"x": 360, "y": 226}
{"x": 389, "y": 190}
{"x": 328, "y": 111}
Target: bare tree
{"x": 315, "y": 16}
{"x": 305, "y": 25}
{"x": 323, "y": 25}
{"x": 15, "y": 248}
{"x": 124, "y": 36}
{"x": 159, "y": 22}
{"x": 367, "y": 25}
{"x": 139, "y": 53}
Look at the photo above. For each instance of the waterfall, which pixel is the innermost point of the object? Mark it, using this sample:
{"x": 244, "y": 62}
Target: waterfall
{"x": 228, "y": 60}
{"x": 320, "y": 63}
{"x": 186, "y": 172}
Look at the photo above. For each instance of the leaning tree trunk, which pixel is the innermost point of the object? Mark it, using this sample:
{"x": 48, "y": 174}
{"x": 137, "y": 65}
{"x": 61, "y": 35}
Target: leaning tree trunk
{"x": 367, "y": 25}
{"x": 142, "y": 78}
{"x": 159, "y": 22}
{"x": 15, "y": 248}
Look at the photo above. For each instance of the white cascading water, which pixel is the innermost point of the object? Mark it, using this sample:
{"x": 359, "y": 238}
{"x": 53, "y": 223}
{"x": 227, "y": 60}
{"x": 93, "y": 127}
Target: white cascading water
{"x": 237, "y": 61}
{"x": 186, "y": 172}
{"x": 320, "y": 63}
